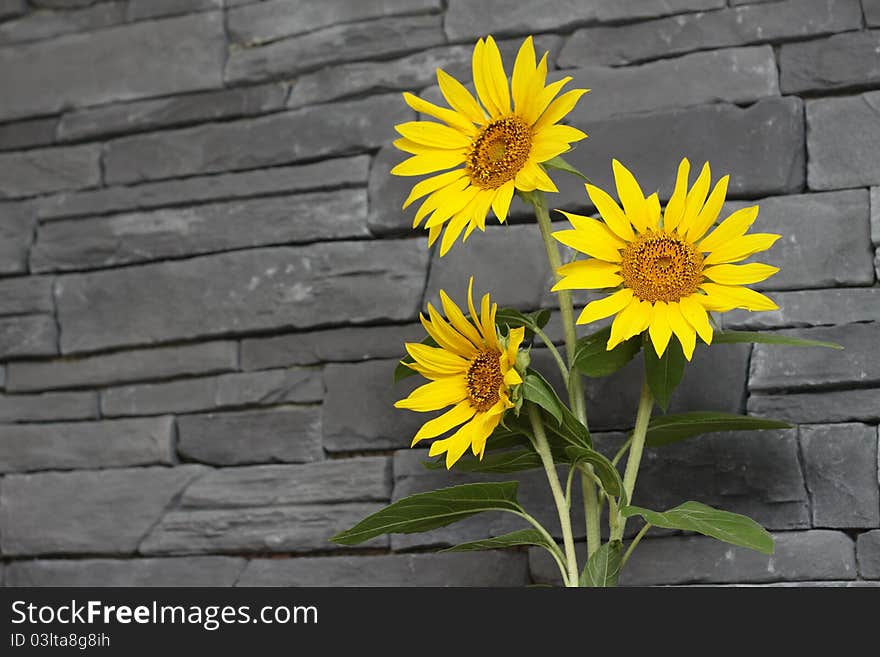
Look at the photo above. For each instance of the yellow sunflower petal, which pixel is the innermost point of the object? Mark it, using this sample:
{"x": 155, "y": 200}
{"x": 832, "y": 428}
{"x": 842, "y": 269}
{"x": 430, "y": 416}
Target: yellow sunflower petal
{"x": 695, "y": 200}
{"x": 727, "y": 297}
{"x": 546, "y": 149}
{"x": 559, "y": 108}
{"x": 451, "y": 117}
{"x": 497, "y": 78}
{"x": 630, "y": 321}
{"x": 457, "y": 203}
{"x": 437, "y": 359}
{"x": 734, "y": 226}
{"x": 479, "y": 438}
{"x": 501, "y": 200}
{"x": 652, "y": 207}
{"x": 446, "y": 336}
{"x": 432, "y": 184}
{"x": 481, "y": 84}
{"x": 611, "y": 213}
{"x": 411, "y": 147}
{"x": 459, "y": 321}
{"x": 433, "y": 233}
{"x": 659, "y": 328}
{"x": 459, "y": 98}
{"x": 696, "y": 316}
{"x": 535, "y": 177}
{"x": 631, "y": 197}
{"x": 435, "y": 395}
{"x": 523, "y": 71}
{"x": 683, "y": 331}
{"x": 436, "y": 135}
{"x": 460, "y": 413}
{"x": 452, "y": 232}
{"x": 514, "y": 340}
{"x": 591, "y": 237}
{"x": 675, "y": 207}
{"x": 439, "y": 198}
{"x": 544, "y": 95}
{"x": 709, "y": 213}
{"x": 740, "y": 274}
{"x": 602, "y": 308}
{"x": 440, "y": 160}
{"x": 512, "y": 378}
{"x": 588, "y": 275}
{"x": 741, "y": 248}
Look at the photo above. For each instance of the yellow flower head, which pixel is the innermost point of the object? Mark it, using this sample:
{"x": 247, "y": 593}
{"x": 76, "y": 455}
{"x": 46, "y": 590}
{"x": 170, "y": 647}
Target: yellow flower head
{"x": 471, "y": 369}
{"x": 667, "y": 271}
{"x": 493, "y": 147}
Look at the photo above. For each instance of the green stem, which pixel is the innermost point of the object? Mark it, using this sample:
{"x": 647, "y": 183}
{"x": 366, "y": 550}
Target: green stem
{"x": 557, "y": 553}
{"x": 573, "y": 381}
{"x": 635, "y": 541}
{"x": 621, "y": 451}
{"x": 643, "y": 417}
{"x": 563, "y": 369}
{"x": 543, "y": 449}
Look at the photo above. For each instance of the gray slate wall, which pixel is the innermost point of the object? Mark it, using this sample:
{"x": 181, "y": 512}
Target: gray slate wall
{"x": 206, "y": 279}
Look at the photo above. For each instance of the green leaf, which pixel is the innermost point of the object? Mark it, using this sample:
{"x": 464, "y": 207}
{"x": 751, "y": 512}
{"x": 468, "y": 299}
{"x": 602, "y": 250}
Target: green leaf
{"x": 696, "y": 517}
{"x": 495, "y": 462}
{"x": 560, "y": 164}
{"x": 536, "y": 390}
{"x": 513, "y": 539}
{"x": 664, "y": 373}
{"x": 425, "y": 511}
{"x": 728, "y": 337}
{"x": 591, "y": 357}
{"x": 604, "y": 469}
{"x": 666, "y": 429}
{"x": 513, "y": 318}
{"x": 402, "y": 371}
{"x": 603, "y": 567}
{"x": 571, "y": 431}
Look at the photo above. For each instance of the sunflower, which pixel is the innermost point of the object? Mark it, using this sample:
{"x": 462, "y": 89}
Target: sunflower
{"x": 668, "y": 273}
{"x": 496, "y": 147}
{"x": 471, "y": 369}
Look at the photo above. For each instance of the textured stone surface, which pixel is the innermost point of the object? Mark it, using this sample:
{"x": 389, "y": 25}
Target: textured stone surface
{"x": 43, "y": 25}
{"x": 829, "y": 406}
{"x": 143, "y": 9}
{"x": 334, "y": 345}
{"x": 875, "y": 215}
{"x": 466, "y": 19}
{"x": 736, "y": 75}
{"x": 214, "y": 392}
{"x": 122, "y": 366}
{"x": 28, "y": 335}
{"x": 28, "y": 173}
{"x": 811, "y": 308}
{"x": 26, "y": 295}
{"x": 841, "y": 61}
{"x": 248, "y": 144}
{"x": 840, "y": 466}
{"x": 105, "y": 444}
{"x": 868, "y": 553}
{"x": 871, "y": 9}
{"x": 776, "y": 367}
{"x": 715, "y": 29}
{"x": 268, "y": 529}
{"x": 275, "y": 19}
{"x": 90, "y": 512}
{"x": 825, "y": 239}
{"x": 27, "y": 134}
{"x": 48, "y": 406}
{"x": 16, "y": 233}
{"x": 284, "y": 435}
{"x": 174, "y": 571}
{"x": 143, "y": 115}
{"x": 10, "y": 8}
{"x": 332, "y": 45}
{"x": 327, "y": 174}
{"x": 387, "y": 194}
{"x": 843, "y": 135}
{"x": 149, "y": 59}
{"x": 761, "y": 147}
{"x": 359, "y": 411}
{"x": 262, "y": 288}
{"x": 79, "y": 244}
{"x": 360, "y": 479}
{"x": 468, "y": 569}
{"x": 615, "y": 10}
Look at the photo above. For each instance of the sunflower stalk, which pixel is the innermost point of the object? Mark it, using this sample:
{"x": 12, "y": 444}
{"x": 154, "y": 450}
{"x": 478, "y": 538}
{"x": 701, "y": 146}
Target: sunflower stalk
{"x": 643, "y": 417}
{"x": 573, "y": 382}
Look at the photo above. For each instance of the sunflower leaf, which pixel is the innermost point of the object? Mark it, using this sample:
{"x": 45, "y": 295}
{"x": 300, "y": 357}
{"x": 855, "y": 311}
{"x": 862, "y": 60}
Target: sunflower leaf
{"x": 664, "y": 373}
{"x": 560, "y": 164}
{"x": 571, "y": 430}
{"x": 603, "y": 567}
{"x": 402, "y": 371}
{"x": 727, "y": 337}
{"x": 536, "y": 390}
{"x": 666, "y": 429}
{"x": 592, "y": 359}
{"x": 497, "y": 462}
{"x": 426, "y": 511}
{"x": 725, "y": 526}
{"x": 604, "y": 469}
{"x": 513, "y": 539}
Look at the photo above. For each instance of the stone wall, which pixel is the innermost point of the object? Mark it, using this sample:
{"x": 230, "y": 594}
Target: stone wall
{"x": 206, "y": 280}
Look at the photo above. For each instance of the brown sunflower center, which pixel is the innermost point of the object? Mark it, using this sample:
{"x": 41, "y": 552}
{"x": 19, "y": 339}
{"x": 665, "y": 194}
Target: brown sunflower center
{"x": 499, "y": 152}
{"x": 661, "y": 267}
{"x": 484, "y": 379}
